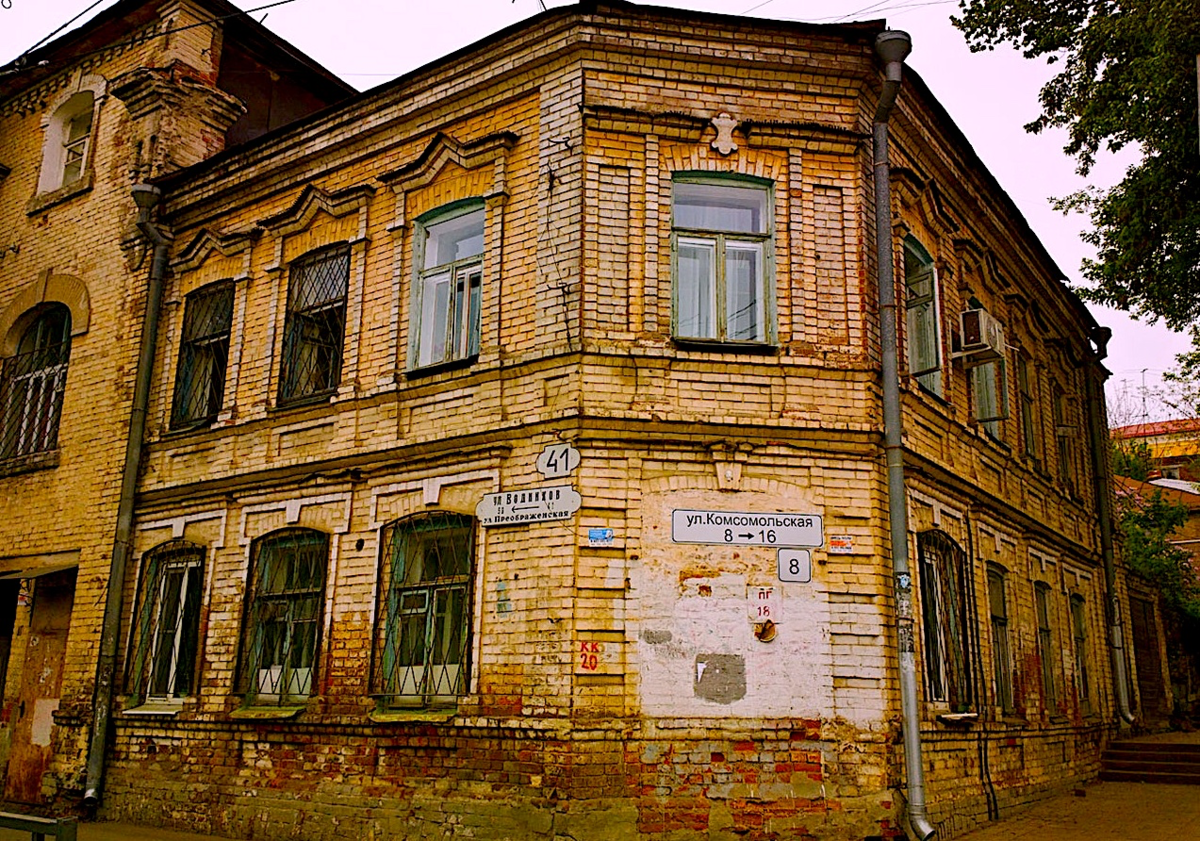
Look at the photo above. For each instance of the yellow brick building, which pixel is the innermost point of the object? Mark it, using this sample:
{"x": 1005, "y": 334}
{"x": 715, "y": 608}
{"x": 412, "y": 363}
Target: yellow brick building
{"x": 137, "y": 93}
{"x": 514, "y": 462}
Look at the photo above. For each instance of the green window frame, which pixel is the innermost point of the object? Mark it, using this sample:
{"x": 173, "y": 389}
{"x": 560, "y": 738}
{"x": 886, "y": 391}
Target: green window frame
{"x": 945, "y": 611}
{"x": 722, "y": 259}
{"x": 281, "y": 626}
{"x": 314, "y": 330}
{"x": 448, "y": 284}
{"x": 167, "y": 622}
{"x": 423, "y": 633}
{"x": 1002, "y": 670}
{"x": 203, "y": 355}
{"x": 1043, "y": 608}
{"x": 922, "y": 316}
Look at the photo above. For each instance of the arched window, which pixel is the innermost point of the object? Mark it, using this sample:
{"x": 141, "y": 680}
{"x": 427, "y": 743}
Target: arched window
{"x": 945, "y": 612}
{"x": 422, "y": 639}
{"x": 31, "y": 390}
{"x": 167, "y": 622}
{"x": 281, "y": 628}
{"x": 67, "y": 151}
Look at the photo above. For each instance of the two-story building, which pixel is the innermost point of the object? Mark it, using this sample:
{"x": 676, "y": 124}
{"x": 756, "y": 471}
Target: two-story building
{"x": 515, "y": 460}
{"x": 143, "y": 89}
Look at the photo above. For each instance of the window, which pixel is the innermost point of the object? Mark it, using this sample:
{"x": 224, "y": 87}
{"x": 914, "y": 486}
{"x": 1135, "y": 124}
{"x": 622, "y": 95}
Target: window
{"x": 945, "y": 613}
{"x": 988, "y": 391}
{"x": 203, "y": 355}
{"x": 1025, "y": 391}
{"x": 722, "y": 244}
{"x": 1064, "y": 434}
{"x": 282, "y": 625}
{"x": 1001, "y": 652}
{"x": 65, "y": 157}
{"x": 423, "y": 636}
{"x": 1079, "y": 632}
{"x": 31, "y": 389}
{"x": 167, "y": 622}
{"x": 449, "y": 286}
{"x": 1041, "y": 598}
{"x": 921, "y": 305}
{"x": 316, "y": 320}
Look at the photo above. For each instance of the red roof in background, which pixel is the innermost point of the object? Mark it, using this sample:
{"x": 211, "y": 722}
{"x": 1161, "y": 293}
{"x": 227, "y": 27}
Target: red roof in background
{"x": 1148, "y": 430}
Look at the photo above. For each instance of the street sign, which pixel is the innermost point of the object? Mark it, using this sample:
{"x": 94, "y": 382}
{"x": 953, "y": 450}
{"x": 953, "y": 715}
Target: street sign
{"x": 795, "y": 565}
{"x": 739, "y": 528}
{"x": 532, "y": 505}
{"x": 558, "y": 461}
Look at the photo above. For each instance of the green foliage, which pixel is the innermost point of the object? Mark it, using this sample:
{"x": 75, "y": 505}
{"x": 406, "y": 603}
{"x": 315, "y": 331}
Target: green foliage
{"x": 1185, "y": 379}
{"x": 1147, "y": 525}
{"x": 1131, "y": 459}
{"x": 1127, "y": 78}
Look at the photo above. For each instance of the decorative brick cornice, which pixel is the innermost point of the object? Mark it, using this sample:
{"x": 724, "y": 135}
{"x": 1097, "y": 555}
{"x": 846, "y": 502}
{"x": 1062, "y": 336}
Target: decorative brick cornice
{"x": 208, "y": 241}
{"x": 444, "y": 149}
{"x": 311, "y": 199}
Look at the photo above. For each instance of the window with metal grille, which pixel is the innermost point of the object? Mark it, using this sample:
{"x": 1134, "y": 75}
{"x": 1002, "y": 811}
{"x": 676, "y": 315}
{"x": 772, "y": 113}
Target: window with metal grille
{"x": 721, "y": 233}
{"x": 946, "y": 612}
{"x": 923, "y": 316}
{"x": 167, "y": 622}
{"x": 316, "y": 320}
{"x": 423, "y": 636}
{"x": 31, "y": 388}
{"x": 1079, "y": 629}
{"x": 203, "y": 355}
{"x": 449, "y": 286}
{"x": 1001, "y": 652}
{"x": 282, "y": 624}
{"x": 1041, "y": 600}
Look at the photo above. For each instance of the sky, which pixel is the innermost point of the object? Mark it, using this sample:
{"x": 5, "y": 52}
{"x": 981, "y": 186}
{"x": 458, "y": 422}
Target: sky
{"x": 990, "y": 95}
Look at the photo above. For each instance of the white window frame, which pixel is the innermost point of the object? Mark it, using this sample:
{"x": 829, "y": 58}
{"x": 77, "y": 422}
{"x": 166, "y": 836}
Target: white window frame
{"x": 59, "y": 150}
{"x": 923, "y": 316}
{"x": 455, "y": 335}
{"x": 720, "y": 244}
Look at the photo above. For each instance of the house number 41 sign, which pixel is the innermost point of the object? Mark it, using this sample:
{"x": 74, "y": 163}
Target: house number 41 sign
{"x": 558, "y": 461}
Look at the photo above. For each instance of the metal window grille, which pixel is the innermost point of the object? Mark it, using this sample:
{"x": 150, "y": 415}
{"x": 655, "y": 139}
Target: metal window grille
{"x": 1079, "y": 626}
{"x": 31, "y": 388}
{"x": 282, "y": 624}
{"x": 316, "y": 320}
{"x": 203, "y": 355}
{"x": 1001, "y": 652}
{"x": 167, "y": 622}
{"x": 1041, "y": 600}
{"x": 423, "y": 633}
{"x": 945, "y": 613}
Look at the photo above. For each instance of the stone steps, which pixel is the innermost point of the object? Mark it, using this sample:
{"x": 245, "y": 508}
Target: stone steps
{"x": 1151, "y": 762}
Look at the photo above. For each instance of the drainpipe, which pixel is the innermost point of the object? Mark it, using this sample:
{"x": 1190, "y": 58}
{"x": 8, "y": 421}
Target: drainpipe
{"x": 147, "y": 198}
{"x": 1097, "y": 432}
{"x": 893, "y": 47}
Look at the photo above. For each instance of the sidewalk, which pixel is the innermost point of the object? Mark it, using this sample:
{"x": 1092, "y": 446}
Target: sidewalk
{"x": 1106, "y": 812}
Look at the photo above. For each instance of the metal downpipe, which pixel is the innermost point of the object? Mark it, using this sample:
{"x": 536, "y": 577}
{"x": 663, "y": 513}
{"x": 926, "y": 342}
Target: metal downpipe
{"x": 146, "y": 197}
{"x": 893, "y": 46}
{"x": 1097, "y": 432}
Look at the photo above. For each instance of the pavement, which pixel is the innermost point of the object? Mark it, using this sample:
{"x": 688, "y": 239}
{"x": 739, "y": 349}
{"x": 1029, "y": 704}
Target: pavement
{"x": 1101, "y": 811}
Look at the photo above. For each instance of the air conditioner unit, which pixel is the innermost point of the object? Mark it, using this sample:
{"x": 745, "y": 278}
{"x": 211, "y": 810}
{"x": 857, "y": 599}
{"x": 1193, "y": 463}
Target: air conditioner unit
{"x": 982, "y": 338}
